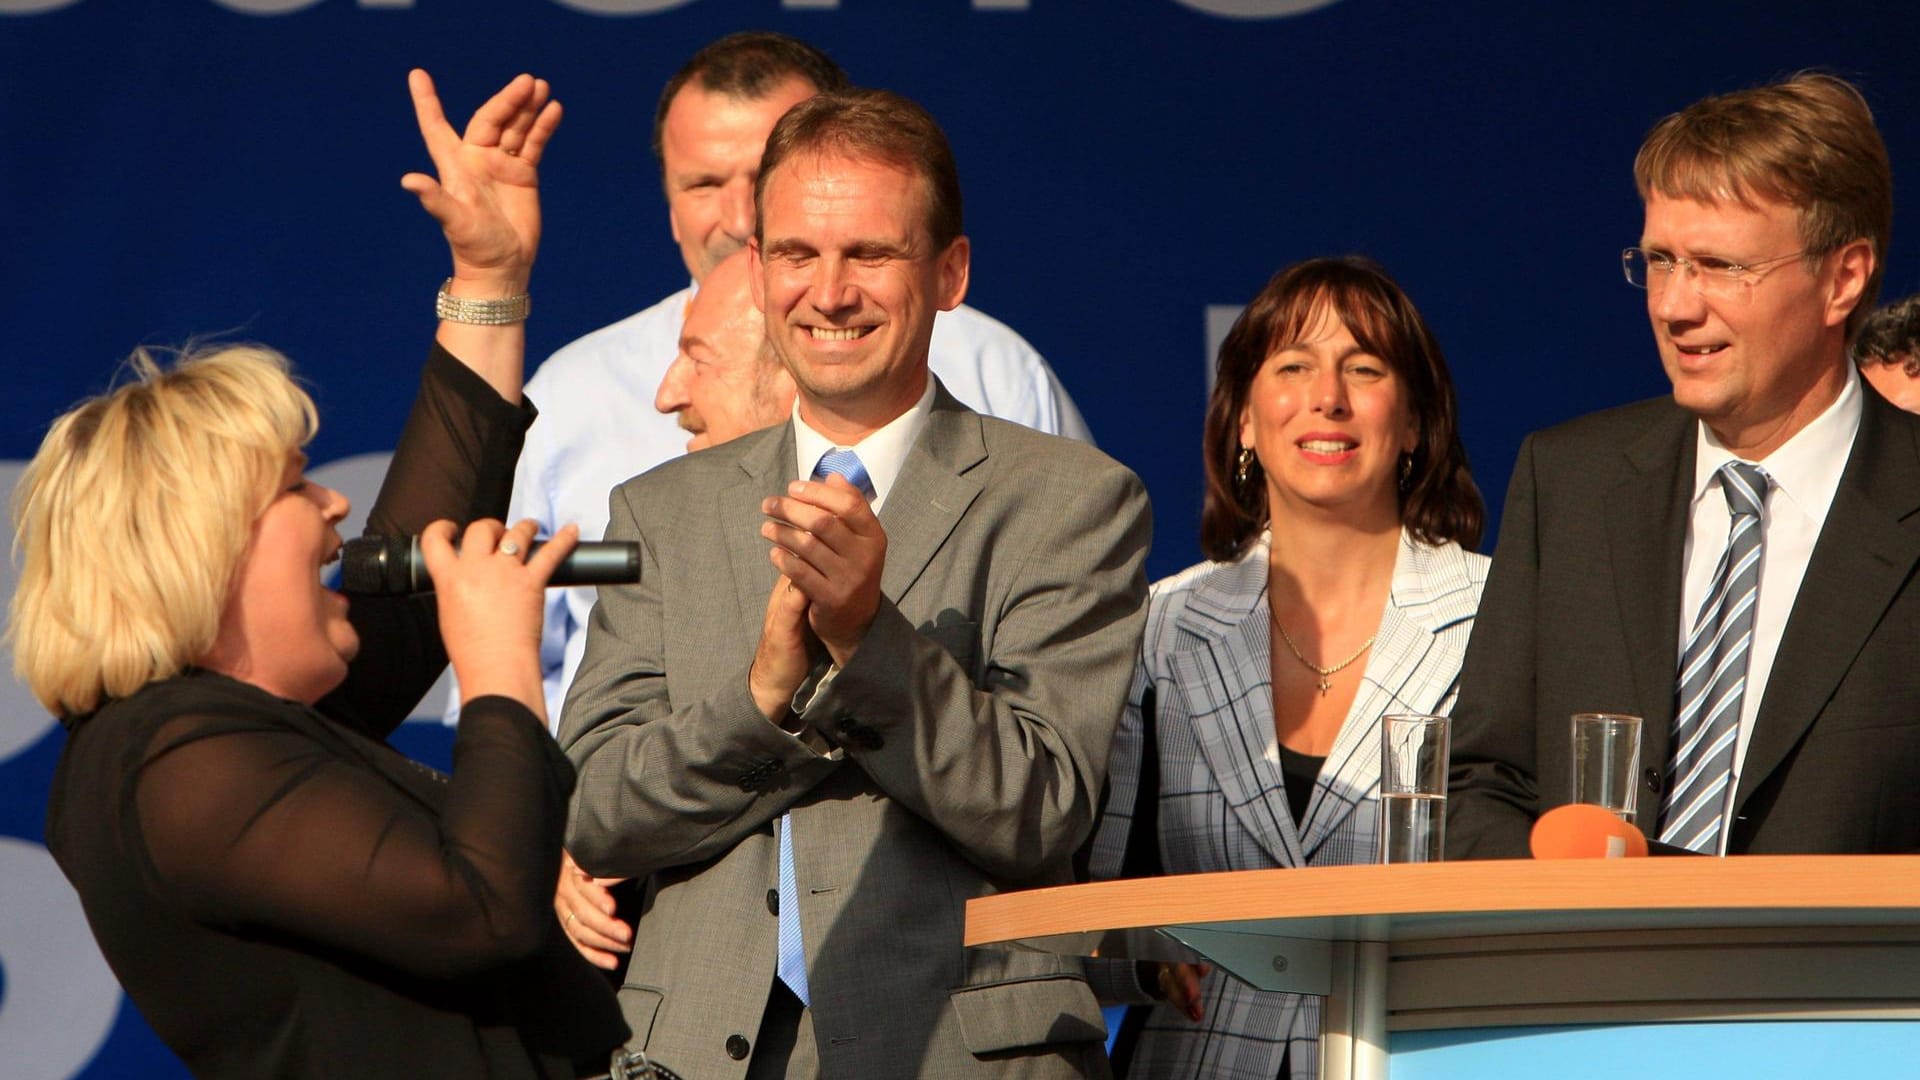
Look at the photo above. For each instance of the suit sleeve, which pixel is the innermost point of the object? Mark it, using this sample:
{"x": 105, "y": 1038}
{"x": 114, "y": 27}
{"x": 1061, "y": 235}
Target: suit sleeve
{"x": 1493, "y": 793}
{"x": 1010, "y": 768}
{"x": 661, "y": 785}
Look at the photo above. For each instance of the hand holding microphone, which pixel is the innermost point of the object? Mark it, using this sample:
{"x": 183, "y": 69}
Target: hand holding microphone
{"x": 489, "y": 602}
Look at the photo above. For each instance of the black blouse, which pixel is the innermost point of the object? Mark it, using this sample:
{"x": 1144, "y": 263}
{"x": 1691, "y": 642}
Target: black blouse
{"x": 1298, "y": 773}
{"x": 282, "y": 894}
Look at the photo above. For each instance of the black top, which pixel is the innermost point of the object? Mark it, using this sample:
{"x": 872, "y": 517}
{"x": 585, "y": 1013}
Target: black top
{"x": 1298, "y": 773}
{"x": 284, "y": 895}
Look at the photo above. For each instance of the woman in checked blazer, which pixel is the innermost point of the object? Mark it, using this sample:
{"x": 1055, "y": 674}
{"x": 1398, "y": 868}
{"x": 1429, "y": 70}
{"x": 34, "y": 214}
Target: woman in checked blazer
{"x": 1338, "y": 510}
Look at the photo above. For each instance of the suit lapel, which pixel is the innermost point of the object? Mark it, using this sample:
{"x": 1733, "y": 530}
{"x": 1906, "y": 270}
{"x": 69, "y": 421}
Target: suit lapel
{"x": 1647, "y": 516}
{"x": 1409, "y": 671}
{"x": 1224, "y": 685}
{"x": 1862, "y": 559}
{"x": 935, "y": 487}
{"x": 765, "y": 468}
{"x": 1352, "y": 770}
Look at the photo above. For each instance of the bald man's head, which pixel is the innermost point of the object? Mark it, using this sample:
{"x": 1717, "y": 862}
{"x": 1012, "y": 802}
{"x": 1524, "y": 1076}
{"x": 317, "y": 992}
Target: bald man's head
{"x": 726, "y": 380}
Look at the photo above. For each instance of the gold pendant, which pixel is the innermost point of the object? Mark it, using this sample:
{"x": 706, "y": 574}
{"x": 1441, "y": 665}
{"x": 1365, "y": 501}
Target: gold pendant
{"x": 1325, "y": 685}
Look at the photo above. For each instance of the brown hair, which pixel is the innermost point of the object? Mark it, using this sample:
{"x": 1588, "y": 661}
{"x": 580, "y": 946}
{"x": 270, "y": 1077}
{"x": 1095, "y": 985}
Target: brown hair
{"x": 1809, "y": 142}
{"x": 1438, "y": 500}
{"x": 876, "y": 125}
{"x": 748, "y": 65}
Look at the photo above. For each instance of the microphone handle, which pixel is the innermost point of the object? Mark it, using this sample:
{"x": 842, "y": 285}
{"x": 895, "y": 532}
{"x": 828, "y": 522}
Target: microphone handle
{"x": 591, "y": 562}
{"x": 391, "y": 565}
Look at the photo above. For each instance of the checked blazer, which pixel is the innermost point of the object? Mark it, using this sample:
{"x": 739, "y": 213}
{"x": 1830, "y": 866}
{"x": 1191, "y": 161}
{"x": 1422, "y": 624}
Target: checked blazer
{"x": 1222, "y": 800}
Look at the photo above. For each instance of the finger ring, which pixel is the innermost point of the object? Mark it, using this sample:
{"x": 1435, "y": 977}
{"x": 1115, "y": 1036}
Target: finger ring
{"x": 512, "y": 153}
{"x": 569, "y": 922}
{"x": 509, "y": 546}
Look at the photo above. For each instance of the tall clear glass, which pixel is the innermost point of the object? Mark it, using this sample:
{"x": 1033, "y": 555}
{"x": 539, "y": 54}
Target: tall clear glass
{"x": 1606, "y": 762}
{"x": 1413, "y": 788}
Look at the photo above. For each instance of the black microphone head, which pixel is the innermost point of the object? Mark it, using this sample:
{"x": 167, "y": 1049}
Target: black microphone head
{"x": 377, "y": 566}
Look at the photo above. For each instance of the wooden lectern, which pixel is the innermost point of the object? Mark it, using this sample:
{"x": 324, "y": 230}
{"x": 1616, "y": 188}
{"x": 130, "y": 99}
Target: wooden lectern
{"x": 1418, "y": 954}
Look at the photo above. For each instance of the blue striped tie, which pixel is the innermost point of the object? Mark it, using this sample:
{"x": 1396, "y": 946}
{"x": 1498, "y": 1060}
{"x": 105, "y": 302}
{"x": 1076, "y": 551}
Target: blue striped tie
{"x": 1713, "y": 674}
{"x": 844, "y": 463}
{"x": 793, "y": 952}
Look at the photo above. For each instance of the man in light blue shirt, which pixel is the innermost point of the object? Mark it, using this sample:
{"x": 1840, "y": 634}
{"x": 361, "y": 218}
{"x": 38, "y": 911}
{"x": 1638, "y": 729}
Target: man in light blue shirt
{"x": 598, "y": 424}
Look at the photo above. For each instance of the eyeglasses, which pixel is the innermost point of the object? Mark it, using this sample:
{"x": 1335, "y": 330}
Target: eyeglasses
{"x": 1710, "y": 275}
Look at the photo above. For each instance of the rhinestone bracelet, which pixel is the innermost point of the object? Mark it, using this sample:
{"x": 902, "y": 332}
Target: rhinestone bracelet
{"x": 501, "y": 312}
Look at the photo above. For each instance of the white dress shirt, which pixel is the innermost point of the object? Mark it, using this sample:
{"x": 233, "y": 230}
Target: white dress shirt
{"x": 1803, "y": 475}
{"x": 882, "y": 453}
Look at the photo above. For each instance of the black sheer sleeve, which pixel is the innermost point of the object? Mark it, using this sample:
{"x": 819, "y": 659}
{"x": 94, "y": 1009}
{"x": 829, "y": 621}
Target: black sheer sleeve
{"x": 454, "y": 460}
{"x": 456, "y": 456}
{"x": 251, "y": 820}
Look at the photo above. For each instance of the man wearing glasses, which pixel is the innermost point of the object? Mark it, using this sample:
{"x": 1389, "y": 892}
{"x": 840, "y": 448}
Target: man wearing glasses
{"x": 1733, "y": 564}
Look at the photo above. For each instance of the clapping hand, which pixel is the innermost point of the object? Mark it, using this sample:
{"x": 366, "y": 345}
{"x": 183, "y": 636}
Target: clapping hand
{"x": 828, "y": 542}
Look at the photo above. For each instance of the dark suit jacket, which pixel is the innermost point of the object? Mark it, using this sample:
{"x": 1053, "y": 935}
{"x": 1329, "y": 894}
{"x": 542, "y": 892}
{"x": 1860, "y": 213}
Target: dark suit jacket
{"x": 1582, "y": 614}
{"x": 960, "y": 752}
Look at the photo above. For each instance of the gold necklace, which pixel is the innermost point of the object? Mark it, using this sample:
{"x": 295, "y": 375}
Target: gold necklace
{"x": 1325, "y": 673}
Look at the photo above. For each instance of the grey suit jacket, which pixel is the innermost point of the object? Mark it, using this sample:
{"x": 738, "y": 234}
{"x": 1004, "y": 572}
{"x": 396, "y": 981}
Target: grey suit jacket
{"x": 960, "y": 753}
{"x": 1222, "y": 798}
{"x": 1582, "y": 614}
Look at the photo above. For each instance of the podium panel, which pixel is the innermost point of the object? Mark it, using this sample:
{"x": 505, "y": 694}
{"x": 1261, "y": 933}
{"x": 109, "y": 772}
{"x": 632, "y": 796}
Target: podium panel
{"x": 1693, "y": 968}
{"x": 1678, "y": 1051}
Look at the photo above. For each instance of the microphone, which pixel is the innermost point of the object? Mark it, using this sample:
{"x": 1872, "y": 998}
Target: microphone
{"x": 1585, "y": 831}
{"x": 374, "y": 565}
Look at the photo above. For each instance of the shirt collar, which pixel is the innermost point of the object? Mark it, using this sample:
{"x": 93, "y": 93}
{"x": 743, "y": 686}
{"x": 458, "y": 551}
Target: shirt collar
{"x": 1806, "y": 468}
{"x": 884, "y": 453}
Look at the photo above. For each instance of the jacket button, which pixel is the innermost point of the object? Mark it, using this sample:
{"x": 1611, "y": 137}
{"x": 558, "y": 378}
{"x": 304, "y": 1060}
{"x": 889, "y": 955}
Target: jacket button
{"x": 773, "y": 901}
{"x": 737, "y": 1047}
{"x": 1652, "y": 773}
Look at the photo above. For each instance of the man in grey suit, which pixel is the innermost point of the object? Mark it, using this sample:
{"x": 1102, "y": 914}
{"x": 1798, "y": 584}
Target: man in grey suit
{"x": 1734, "y": 564}
{"x": 909, "y": 671}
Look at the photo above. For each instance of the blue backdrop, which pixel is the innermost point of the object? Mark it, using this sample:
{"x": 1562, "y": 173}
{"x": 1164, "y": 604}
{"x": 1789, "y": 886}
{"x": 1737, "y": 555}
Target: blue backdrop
{"x": 181, "y": 167}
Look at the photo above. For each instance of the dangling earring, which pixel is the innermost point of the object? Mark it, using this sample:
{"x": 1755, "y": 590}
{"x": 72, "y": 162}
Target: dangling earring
{"x": 1406, "y": 473}
{"x": 1243, "y": 468}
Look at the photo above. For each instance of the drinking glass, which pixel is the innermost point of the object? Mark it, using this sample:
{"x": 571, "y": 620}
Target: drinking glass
{"x": 1413, "y": 788}
{"x": 1606, "y": 762}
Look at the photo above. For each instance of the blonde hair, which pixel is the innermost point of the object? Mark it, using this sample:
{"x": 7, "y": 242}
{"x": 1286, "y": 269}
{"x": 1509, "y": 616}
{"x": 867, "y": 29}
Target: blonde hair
{"x": 134, "y": 516}
{"x": 1809, "y": 142}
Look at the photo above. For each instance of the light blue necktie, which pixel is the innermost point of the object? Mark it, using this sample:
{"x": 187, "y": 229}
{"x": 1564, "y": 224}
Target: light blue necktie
{"x": 845, "y": 463}
{"x": 793, "y": 953}
{"x": 1713, "y": 674}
